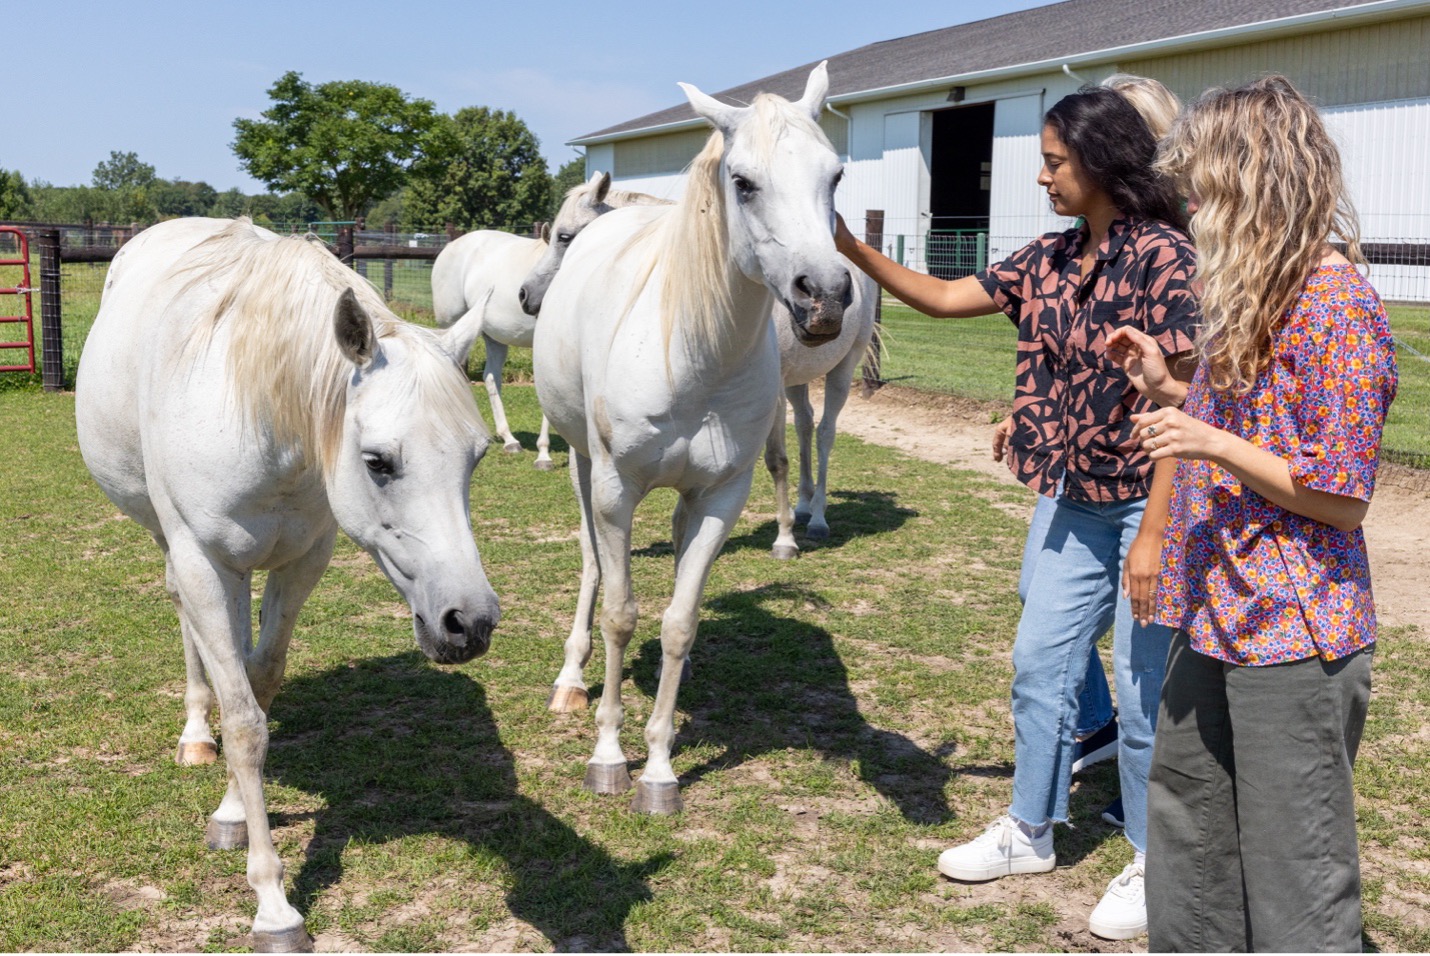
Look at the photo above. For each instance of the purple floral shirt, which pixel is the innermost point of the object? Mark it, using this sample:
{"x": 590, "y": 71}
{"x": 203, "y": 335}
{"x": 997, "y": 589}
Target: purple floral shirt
{"x": 1250, "y": 582}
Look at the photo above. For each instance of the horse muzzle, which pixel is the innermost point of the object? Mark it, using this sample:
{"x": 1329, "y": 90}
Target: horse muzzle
{"x": 530, "y": 298}
{"x": 459, "y": 635}
{"x": 817, "y": 310}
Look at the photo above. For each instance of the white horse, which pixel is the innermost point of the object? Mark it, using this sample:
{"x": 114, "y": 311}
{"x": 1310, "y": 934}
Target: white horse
{"x": 493, "y": 264}
{"x": 242, "y": 396}
{"x": 656, "y": 360}
{"x": 836, "y": 362}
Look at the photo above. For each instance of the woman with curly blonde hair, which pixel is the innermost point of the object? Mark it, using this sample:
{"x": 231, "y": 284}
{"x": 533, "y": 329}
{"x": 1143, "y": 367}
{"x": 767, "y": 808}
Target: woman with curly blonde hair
{"x": 1263, "y": 476}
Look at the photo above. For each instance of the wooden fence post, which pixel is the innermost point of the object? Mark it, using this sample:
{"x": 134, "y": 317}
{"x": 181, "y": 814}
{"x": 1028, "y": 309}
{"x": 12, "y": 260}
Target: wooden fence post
{"x": 345, "y": 245}
{"x": 391, "y": 230}
{"x": 52, "y": 346}
{"x": 874, "y": 236}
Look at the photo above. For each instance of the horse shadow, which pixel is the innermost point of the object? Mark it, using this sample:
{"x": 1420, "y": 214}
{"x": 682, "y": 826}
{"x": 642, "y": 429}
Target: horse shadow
{"x": 763, "y": 682}
{"x": 851, "y": 515}
{"x": 397, "y": 747}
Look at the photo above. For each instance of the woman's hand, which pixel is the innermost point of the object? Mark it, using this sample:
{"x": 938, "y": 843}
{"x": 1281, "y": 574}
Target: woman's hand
{"x": 1172, "y": 433}
{"x": 1000, "y": 437}
{"x": 1140, "y": 570}
{"x": 1137, "y": 354}
{"x": 844, "y": 240}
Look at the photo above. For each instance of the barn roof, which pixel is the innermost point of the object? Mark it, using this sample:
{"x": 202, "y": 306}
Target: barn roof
{"x": 1030, "y": 41}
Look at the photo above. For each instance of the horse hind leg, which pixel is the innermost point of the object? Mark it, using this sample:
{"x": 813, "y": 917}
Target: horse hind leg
{"x": 836, "y": 392}
{"x": 543, "y": 447}
{"x": 491, "y": 377}
{"x": 196, "y": 743}
{"x": 777, "y": 462}
{"x": 803, "y": 428}
{"x": 568, "y": 695}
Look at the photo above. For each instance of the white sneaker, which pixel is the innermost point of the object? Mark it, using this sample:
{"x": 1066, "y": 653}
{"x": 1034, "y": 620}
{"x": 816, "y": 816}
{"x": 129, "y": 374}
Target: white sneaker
{"x": 1002, "y": 849}
{"x": 1122, "y": 912}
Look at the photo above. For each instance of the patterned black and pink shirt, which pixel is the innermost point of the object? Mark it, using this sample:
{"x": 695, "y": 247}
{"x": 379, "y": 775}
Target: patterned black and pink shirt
{"x": 1071, "y": 403}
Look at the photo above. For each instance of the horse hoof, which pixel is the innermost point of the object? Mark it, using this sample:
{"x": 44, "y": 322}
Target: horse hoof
{"x": 196, "y": 754}
{"x": 223, "y": 835}
{"x": 663, "y": 798}
{"x": 607, "y": 778}
{"x": 817, "y": 532}
{"x": 512, "y": 447}
{"x": 567, "y": 700}
{"x": 785, "y": 552}
{"x": 294, "y": 940}
{"x": 545, "y": 464}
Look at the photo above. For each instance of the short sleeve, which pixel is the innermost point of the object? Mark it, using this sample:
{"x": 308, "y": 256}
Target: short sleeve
{"x": 1006, "y": 281}
{"x": 1171, "y": 315}
{"x": 1346, "y": 373}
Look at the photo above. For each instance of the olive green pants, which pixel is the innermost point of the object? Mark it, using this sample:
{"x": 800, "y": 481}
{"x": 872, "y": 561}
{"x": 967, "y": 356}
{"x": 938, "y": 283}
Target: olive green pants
{"x": 1251, "y": 839}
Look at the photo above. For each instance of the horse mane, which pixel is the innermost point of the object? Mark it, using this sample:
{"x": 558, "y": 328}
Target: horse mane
{"x": 691, "y": 243}
{"x": 277, "y": 298}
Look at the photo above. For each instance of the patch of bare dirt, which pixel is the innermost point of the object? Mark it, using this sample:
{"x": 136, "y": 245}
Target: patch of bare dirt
{"x": 959, "y": 432}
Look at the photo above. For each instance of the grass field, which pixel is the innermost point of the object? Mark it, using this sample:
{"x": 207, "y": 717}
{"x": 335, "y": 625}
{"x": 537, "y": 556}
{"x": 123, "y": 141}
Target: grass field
{"x": 847, "y": 718}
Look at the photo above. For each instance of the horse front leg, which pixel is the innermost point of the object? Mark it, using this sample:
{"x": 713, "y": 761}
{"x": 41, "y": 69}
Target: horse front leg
{"x": 712, "y": 514}
{"x": 612, "y": 510}
{"x": 569, "y": 693}
{"x": 217, "y": 602}
{"x": 491, "y": 377}
{"x": 777, "y": 461}
{"x": 284, "y": 593}
{"x": 803, "y": 428}
{"x": 836, "y": 392}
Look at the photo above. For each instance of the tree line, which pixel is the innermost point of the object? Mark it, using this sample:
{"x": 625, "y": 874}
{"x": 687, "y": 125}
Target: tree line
{"x": 341, "y": 151}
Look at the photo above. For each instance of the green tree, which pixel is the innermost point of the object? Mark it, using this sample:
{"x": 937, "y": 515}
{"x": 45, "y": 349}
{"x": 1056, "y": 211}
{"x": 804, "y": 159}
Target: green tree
{"x": 123, "y": 171}
{"x": 344, "y": 144}
{"x": 485, "y": 171}
{"x": 571, "y": 174}
{"x": 179, "y": 197}
{"x": 15, "y": 201}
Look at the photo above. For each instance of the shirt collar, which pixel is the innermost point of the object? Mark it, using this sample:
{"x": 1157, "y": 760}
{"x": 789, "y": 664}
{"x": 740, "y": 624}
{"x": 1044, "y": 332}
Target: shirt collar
{"x": 1117, "y": 234}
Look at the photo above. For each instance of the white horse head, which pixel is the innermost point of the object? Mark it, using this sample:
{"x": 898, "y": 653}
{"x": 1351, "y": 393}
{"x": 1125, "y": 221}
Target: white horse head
{"x": 778, "y": 173}
{"x": 400, "y": 477}
{"x": 582, "y": 205}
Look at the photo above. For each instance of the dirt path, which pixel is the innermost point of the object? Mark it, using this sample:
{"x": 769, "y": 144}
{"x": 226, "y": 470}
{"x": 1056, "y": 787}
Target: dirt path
{"x": 959, "y": 432}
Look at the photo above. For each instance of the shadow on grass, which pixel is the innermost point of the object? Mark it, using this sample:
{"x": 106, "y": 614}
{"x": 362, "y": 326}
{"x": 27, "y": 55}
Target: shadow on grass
{"x": 851, "y": 515}
{"x": 397, "y": 747}
{"x": 764, "y": 682}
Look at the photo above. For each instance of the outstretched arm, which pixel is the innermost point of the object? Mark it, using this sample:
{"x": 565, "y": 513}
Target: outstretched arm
{"x": 959, "y": 298}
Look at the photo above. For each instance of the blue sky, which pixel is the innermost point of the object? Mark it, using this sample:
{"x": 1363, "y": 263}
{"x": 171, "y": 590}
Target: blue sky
{"x": 166, "y": 79}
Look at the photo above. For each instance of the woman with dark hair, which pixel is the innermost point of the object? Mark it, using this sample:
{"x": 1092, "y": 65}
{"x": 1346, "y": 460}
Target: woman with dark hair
{"x": 1127, "y": 264}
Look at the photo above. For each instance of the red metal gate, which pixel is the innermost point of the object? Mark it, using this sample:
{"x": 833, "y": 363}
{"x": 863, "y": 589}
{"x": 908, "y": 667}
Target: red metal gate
{"x": 25, "y": 317}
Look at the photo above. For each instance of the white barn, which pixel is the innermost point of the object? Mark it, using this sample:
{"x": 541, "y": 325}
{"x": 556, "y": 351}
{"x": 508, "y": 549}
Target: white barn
{"x": 939, "y": 130}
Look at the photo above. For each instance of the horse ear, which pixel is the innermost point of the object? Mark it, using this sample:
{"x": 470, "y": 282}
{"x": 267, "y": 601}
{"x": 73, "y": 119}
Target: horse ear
{"x": 458, "y": 340}
{"x": 816, "y": 88}
{"x": 353, "y": 328}
{"x": 602, "y": 181}
{"x": 722, "y": 117}
{"x": 546, "y": 233}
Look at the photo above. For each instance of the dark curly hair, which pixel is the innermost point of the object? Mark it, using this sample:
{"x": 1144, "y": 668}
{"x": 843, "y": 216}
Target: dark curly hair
{"x": 1114, "y": 145}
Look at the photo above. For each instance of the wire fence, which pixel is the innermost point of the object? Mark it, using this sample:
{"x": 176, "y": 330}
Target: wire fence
{"x": 973, "y": 358}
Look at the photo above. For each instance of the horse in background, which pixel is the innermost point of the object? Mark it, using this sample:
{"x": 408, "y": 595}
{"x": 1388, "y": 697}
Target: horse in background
{"x": 491, "y": 263}
{"x": 656, "y": 360}
{"x": 242, "y": 396}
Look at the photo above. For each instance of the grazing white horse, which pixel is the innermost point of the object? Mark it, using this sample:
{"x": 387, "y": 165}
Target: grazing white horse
{"x": 487, "y": 264}
{"x": 242, "y": 396}
{"x": 836, "y": 362}
{"x": 656, "y": 360}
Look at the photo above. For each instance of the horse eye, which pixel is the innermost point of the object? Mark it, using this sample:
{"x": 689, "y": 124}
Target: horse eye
{"x": 838, "y": 177}
{"x": 745, "y": 187}
{"x": 565, "y": 237}
{"x": 377, "y": 464}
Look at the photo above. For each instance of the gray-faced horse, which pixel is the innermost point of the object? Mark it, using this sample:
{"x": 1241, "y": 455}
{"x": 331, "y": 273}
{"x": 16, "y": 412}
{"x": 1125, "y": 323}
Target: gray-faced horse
{"x": 487, "y": 263}
{"x": 243, "y": 396}
{"x": 656, "y": 360}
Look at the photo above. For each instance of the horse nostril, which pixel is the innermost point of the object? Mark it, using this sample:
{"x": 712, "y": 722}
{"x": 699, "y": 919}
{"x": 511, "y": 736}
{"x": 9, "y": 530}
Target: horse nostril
{"x": 521, "y": 295}
{"x": 455, "y": 625}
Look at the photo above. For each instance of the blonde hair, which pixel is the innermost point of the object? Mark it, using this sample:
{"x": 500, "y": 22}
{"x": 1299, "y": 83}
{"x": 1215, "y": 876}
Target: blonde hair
{"x": 1158, "y": 105}
{"x": 1267, "y": 177}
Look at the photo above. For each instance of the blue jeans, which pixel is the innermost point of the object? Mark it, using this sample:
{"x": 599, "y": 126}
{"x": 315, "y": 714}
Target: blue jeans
{"x": 1094, "y": 707}
{"x": 1073, "y": 595}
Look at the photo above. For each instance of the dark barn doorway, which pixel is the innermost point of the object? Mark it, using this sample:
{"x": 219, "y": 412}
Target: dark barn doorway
{"x": 960, "y": 181}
